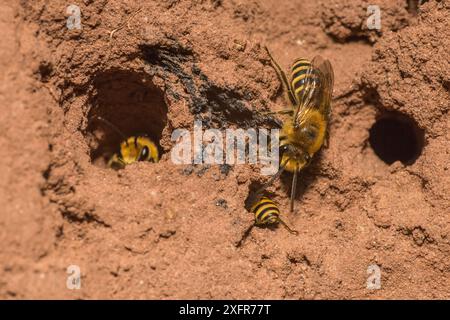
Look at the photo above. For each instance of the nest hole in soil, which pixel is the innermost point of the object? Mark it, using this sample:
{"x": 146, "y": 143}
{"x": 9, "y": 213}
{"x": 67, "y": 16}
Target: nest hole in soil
{"x": 253, "y": 196}
{"x": 413, "y": 6}
{"x": 130, "y": 102}
{"x": 396, "y": 137}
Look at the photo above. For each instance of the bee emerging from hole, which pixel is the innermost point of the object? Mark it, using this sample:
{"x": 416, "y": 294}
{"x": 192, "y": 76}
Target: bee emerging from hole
{"x": 267, "y": 212}
{"x": 132, "y": 149}
{"x": 309, "y": 94}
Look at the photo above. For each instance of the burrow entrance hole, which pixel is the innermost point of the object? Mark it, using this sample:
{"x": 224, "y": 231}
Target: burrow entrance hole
{"x": 131, "y": 102}
{"x": 413, "y": 6}
{"x": 396, "y": 137}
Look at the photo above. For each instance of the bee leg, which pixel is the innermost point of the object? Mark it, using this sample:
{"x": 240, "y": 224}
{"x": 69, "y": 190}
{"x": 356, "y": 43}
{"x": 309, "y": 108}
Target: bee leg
{"x": 270, "y": 113}
{"x": 294, "y": 232}
{"x": 283, "y": 78}
{"x": 293, "y": 189}
{"x": 326, "y": 142}
{"x": 116, "y": 163}
{"x": 244, "y": 236}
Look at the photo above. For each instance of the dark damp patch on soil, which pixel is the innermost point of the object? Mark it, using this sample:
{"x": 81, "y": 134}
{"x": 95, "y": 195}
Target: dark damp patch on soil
{"x": 215, "y": 106}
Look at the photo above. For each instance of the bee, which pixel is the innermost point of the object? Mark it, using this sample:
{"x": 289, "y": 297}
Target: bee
{"x": 267, "y": 212}
{"x": 132, "y": 149}
{"x": 309, "y": 94}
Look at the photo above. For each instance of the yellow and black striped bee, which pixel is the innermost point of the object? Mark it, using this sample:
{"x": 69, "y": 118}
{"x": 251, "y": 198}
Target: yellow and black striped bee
{"x": 267, "y": 212}
{"x": 132, "y": 149}
{"x": 135, "y": 148}
{"x": 309, "y": 93}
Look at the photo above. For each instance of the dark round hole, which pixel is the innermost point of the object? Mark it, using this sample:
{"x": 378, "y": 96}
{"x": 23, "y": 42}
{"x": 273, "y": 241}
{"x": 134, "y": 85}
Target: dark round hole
{"x": 132, "y": 104}
{"x": 396, "y": 137}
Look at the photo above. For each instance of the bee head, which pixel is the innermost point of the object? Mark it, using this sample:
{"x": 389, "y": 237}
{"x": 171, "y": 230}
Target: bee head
{"x": 138, "y": 148}
{"x": 144, "y": 154}
{"x": 148, "y": 150}
{"x": 294, "y": 157}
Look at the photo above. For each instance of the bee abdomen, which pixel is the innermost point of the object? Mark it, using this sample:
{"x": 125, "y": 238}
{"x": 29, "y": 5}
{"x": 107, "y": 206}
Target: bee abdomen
{"x": 266, "y": 211}
{"x": 302, "y": 73}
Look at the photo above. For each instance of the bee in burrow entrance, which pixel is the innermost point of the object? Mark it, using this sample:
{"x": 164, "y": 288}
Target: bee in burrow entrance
{"x": 309, "y": 93}
{"x": 132, "y": 149}
{"x": 267, "y": 212}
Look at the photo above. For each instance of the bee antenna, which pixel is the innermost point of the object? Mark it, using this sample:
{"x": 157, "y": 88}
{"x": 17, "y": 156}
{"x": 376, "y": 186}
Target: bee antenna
{"x": 245, "y": 235}
{"x": 294, "y": 232}
{"x": 113, "y": 127}
{"x": 293, "y": 188}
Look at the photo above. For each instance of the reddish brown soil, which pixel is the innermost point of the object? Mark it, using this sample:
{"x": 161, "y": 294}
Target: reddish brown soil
{"x": 166, "y": 231}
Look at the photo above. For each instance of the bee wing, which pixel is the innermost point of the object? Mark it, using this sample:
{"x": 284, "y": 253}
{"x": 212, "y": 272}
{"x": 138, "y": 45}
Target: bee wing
{"x": 326, "y": 81}
{"x": 318, "y": 89}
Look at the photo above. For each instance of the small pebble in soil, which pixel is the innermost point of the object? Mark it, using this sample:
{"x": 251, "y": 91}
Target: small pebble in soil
{"x": 188, "y": 170}
{"x": 222, "y": 203}
{"x": 167, "y": 234}
{"x": 339, "y": 225}
{"x": 225, "y": 169}
{"x": 202, "y": 170}
{"x": 196, "y": 70}
{"x": 241, "y": 179}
